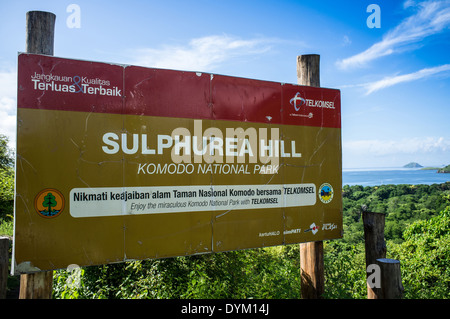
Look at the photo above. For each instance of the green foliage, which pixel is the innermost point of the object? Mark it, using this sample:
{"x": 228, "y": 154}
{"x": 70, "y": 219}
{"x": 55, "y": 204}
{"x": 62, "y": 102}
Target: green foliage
{"x": 425, "y": 257}
{"x": 255, "y": 273}
{"x": 345, "y": 276}
{"x": 402, "y": 204}
{"x": 6, "y": 188}
{"x": 6, "y": 155}
{"x": 6, "y": 184}
{"x": 69, "y": 284}
{"x": 446, "y": 169}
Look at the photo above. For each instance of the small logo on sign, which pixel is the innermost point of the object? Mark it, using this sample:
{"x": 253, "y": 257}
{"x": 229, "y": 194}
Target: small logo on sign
{"x": 49, "y": 203}
{"x": 326, "y": 193}
{"x": 312, "y": 228}
{"x": 329, "y": 226}
{"x": 297, "y": 101}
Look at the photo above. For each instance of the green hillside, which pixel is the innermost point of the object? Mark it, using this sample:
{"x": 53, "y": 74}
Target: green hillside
{"x": 446, "y": 169}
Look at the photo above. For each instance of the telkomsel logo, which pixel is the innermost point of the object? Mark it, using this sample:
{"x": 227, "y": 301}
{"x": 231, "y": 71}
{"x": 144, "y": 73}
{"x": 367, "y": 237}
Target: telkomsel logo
{"x": 297, "y": 101}
{"x": 49, "y": 203}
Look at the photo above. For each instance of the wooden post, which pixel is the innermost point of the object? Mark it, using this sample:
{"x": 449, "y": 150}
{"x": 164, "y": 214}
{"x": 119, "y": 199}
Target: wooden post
{"x": 308, "y": 70}
{"x": 39, "y": 40}
{"x": 391, "y": 279}
{"x": 312, "y": 270}
{"x": 36, "y": 286}
{"x": 4, "y": 261}
{"x": 40, "y": 32}
{"x": 311, "y": 254}
{"x": 375, "y": 245}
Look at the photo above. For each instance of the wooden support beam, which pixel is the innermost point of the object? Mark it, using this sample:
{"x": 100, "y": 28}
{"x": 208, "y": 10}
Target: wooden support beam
{"x": 4, "y": 262}
{"x": 36, "y": 286}
{"x": 311, "y": 254}
{"x": 308, "y": 70}
{"x": 312, "y": 270}
{"x": 40, "y": 40}
{"x": 375, "y": 245}
{"x": 40, "y": 32}
{"x": 390, "y": 279}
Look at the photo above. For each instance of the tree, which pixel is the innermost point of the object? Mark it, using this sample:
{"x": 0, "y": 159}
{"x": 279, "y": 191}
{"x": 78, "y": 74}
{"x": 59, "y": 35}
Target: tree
{"x": 49, "y": 201}
{"x": 6, "y": 155}
{"x": 446, "y": 169}
{"x": 425, "y": 256}
{"x": 6, "y": 187}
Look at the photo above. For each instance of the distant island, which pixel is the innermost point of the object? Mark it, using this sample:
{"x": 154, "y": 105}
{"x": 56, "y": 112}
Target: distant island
{"x": 412, "y": 165}
{"x": 446, "y": 169}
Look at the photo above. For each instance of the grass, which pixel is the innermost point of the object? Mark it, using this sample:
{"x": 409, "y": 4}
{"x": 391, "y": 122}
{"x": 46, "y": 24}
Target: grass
{"x": 6, "y": 228}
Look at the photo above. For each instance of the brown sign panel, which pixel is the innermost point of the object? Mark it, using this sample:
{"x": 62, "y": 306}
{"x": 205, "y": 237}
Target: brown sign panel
{"x": 120, "y": 162}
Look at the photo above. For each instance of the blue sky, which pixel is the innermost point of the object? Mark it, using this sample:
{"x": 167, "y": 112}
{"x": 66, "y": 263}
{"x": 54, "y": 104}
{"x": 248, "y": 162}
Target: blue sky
{"x": 394, "y": 80}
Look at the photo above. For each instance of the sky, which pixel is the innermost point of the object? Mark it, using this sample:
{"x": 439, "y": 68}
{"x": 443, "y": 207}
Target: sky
{"x": 390, "y": 59}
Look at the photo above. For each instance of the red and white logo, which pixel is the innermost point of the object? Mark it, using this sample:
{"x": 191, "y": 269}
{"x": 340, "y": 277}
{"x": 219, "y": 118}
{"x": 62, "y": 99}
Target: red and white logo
{"x": 297, "y": 101}
{"x": 312, "y": 228}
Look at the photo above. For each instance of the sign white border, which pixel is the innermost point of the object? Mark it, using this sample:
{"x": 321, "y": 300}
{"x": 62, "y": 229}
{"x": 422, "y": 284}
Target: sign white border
{"x": 119, "y": 201}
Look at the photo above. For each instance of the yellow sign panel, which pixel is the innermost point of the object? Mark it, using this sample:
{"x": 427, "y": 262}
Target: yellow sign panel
{"x": 117, "y": 163}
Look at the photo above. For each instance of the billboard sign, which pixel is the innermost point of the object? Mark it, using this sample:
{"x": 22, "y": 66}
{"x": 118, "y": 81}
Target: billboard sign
{"x": 119, "y": 162}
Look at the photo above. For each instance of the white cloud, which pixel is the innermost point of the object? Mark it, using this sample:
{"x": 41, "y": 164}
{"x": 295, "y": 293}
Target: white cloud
{"x": 393, "y": 80}
{"x": 403, "y": 146}
{"x": 408, "y": 3}
{"x": 8, "y": 84}
{"x": 431, "y": 18}
{"x": 200, "y": 54}
{"x": 427, "y": 151}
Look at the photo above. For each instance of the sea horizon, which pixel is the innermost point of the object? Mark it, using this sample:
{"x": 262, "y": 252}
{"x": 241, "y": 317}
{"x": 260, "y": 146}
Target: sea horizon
{"x": 376, "y": 176}
{"x": 392, "y": 168}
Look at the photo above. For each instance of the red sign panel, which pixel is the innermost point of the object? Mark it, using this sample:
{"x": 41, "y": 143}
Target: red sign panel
{"x": 47, "y": 82}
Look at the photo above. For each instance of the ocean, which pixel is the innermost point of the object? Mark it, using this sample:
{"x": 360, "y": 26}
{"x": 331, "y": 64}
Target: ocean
{"x": 383, "y": 176}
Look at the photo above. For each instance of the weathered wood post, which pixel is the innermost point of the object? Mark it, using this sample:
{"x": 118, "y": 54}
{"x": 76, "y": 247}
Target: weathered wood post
{"x": 40, "y": 32}
{"x": 390, "y": 279}
{"x": 39, "y": 40}
{"x": 308, "y": 70}
{"x": 375, "y": 245}
{"x": 311, "y": 254}
{"x": 4, "y": 261}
